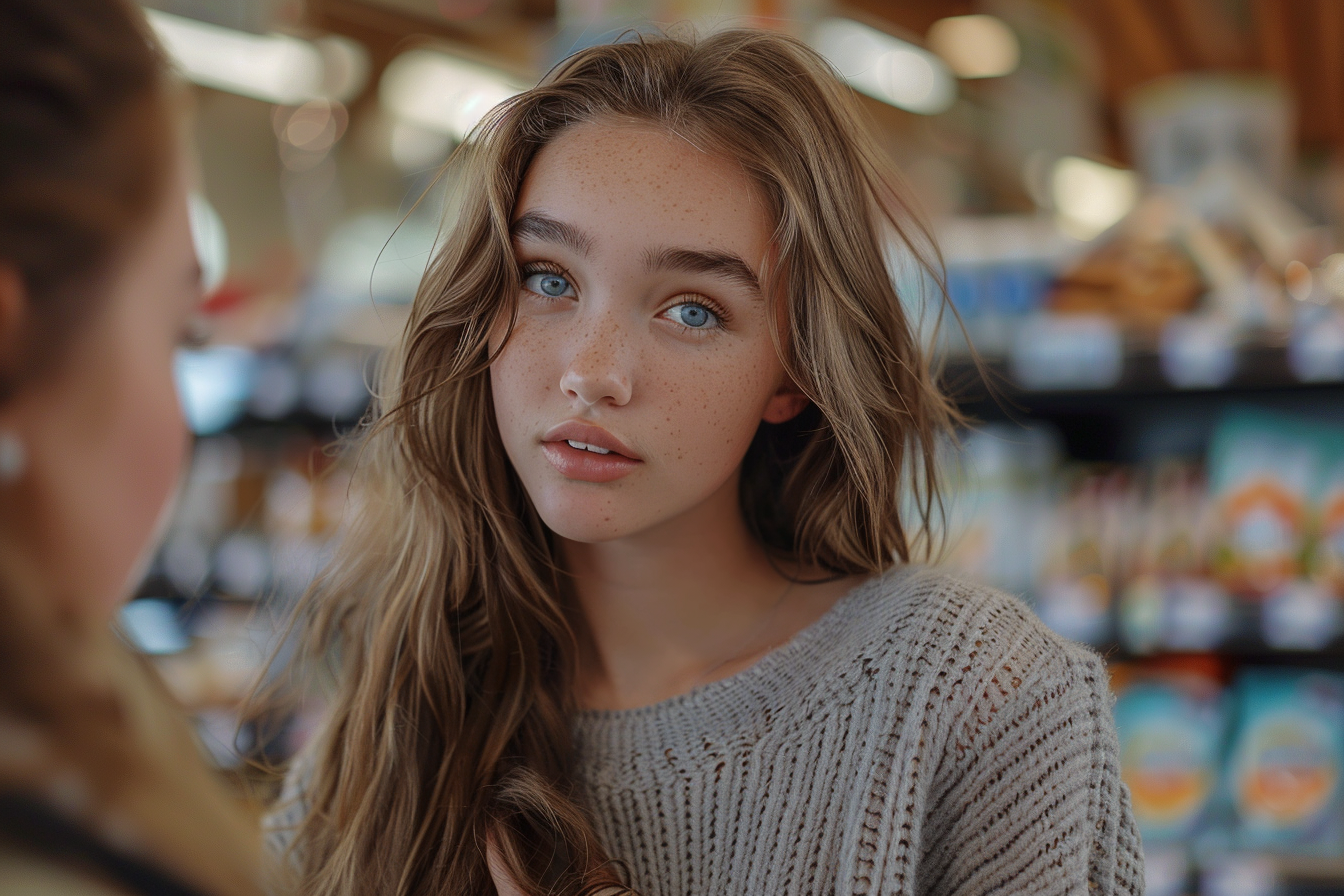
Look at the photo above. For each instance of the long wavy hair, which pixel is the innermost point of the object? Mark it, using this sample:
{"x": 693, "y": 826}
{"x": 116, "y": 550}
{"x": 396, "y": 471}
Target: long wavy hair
{"x": 446, "y": 617}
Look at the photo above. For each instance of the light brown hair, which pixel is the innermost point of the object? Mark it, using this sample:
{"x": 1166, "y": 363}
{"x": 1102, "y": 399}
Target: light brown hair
{"x": 85, "y": 143}
{"x": 446, "y": 611}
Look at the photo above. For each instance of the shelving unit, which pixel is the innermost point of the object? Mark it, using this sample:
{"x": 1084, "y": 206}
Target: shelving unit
{"x": 1118, "y": 423}
{"x": 1137, "y": 423}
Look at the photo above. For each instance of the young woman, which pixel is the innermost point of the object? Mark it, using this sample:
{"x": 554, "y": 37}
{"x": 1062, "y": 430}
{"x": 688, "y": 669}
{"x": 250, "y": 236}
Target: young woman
{"x": 102, "y": 786}
{"x": 630, "y": 598}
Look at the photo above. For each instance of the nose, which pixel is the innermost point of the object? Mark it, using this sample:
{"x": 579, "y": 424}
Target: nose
{"x": 597, "y": 371}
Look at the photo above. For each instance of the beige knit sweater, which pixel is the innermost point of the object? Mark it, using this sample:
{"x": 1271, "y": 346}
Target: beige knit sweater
{"x": 924, "y": 736}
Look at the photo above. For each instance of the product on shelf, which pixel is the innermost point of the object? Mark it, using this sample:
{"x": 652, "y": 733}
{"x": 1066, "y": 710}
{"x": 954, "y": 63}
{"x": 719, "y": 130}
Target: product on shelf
{"x": 1000, "y": 504}
{"x": 1087, "y": 548}
{"x": 1262, "y": 472}
{"x": 1167, "y": 557}
{"x": 1172, "y": 724}
{"x": 1272, "y": 480}
{"x": 1285, "y": 768}
{"x": 1328, "y": 557}
{"x": 1170, "y": 601}
{"x": 1141, "y": 282}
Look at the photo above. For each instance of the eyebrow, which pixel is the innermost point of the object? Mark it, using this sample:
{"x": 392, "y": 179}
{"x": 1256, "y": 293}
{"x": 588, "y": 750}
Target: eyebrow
{"x": 724, "y": 265}
{"x": 537, "y": 226}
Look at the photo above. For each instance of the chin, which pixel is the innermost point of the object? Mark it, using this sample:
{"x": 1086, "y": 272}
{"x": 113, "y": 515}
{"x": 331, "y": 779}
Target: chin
{"x": 587, "y": 525}
{"x": 590, "y": 514}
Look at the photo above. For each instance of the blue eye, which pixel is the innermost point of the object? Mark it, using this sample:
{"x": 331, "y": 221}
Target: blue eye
{"x": 549, "y": 284}
{"x": 693, "y": 315}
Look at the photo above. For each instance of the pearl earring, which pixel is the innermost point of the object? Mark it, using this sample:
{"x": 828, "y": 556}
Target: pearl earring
{"x": 13, "y": 456}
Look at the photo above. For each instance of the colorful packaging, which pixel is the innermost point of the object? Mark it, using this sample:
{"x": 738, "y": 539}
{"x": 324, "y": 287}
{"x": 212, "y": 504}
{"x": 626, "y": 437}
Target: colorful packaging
{"x": 1285, "y": 770}
{"x": 1090, "y": 538}
{"x": 1171, "y": 739}
{"x": 1264, "y": 470}
{"x": 1171, "y": 601}
{"x": 1328, "y": 557}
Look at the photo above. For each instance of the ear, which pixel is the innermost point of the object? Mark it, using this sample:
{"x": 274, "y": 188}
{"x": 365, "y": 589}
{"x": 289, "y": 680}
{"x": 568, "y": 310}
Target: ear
{"x": 787, "y": 402}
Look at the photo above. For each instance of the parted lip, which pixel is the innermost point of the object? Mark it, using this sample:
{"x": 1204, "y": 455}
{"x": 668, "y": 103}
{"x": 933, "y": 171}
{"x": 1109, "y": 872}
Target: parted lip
{"x": 573, "y": 430}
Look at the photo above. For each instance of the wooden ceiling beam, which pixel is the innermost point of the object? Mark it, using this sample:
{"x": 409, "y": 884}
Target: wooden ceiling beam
{"x": 1330, "y": 47}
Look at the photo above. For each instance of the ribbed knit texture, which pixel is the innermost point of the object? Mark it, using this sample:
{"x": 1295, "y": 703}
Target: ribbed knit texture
{"x": 924, "y": 736}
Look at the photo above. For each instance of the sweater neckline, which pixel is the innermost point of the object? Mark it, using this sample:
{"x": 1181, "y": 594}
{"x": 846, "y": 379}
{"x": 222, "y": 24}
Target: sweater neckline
{"x": 719, "y": 704}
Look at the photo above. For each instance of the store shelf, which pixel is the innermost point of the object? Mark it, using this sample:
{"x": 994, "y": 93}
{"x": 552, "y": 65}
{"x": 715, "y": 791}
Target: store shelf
{"x": 1260, "y": 369}
{"x": 1243, "y": 651}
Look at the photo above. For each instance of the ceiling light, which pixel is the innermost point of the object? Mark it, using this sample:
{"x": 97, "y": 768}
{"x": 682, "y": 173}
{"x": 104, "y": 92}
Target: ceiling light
{"x": 275, "y": 68}
{"x": 886, "y": 68}
{"x": 441, "y": 92}
{"x": 978, "y": 46}
{"x": 1090, "y": 197}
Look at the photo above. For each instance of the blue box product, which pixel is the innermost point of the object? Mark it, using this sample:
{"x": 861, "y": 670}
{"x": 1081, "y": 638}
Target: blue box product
{"x": 1171, "y": 742}
{"x": 1284, "y": 771}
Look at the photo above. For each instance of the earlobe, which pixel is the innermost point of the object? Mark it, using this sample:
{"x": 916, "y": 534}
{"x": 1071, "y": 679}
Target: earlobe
{"x": 785, "y": 404}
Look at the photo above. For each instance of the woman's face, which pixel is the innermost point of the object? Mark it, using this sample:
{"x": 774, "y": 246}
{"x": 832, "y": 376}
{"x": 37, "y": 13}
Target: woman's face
{"x": 103, "y": 431}
{"x": 641, "y": 363}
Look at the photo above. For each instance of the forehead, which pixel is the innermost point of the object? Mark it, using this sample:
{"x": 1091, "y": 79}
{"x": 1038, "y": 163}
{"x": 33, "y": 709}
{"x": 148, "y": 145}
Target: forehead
{"x": 626, "y": 183}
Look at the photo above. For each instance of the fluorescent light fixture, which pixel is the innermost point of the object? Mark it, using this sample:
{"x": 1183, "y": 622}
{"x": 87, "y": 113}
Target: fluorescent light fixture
{"x": 978, "y": 46}
{"x": 886, "y": 68}
{"x": 1090, "y": 197}
{"x": 442, "y": 93}
{"x": 275, "y": 68}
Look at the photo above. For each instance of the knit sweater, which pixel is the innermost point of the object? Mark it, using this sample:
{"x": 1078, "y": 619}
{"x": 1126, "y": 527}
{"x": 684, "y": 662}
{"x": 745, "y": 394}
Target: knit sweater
{"x": 924, "y": 736}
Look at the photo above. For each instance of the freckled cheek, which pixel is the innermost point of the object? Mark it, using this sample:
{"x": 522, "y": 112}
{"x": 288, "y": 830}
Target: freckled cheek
{"x": 712, "y": 408}
{"x": 521, "y": 377}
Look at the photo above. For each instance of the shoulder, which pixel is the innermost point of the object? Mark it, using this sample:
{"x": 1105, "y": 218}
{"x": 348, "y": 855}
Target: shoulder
{"x": 931, "y": 618}
{"x": 970, "y": 648}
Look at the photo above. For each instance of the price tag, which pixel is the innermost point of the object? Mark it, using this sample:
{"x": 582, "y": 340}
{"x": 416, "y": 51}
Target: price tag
{"x": 1301, "y": 616}
{"x": 243, "y": 565}
{"x": 1316, "y": 352}
{"x": 1239, "y": 874}
{"x": 1165, "y": 871}
{"x": 1198, "y": 614}
{"x": 335, "y": 387}
{"x": 276, "y": 388}
{"x": 1197, "y": 352}
{"x": 1076, "y": 351}
{"x": 1076, "y": 608}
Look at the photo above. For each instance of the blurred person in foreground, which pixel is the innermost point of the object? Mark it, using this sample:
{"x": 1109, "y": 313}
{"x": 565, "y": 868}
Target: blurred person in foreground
{"x": 102, "y": 785}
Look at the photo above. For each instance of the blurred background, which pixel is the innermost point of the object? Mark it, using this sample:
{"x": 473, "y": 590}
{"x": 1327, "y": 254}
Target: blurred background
{"x": 1141, "y": 208}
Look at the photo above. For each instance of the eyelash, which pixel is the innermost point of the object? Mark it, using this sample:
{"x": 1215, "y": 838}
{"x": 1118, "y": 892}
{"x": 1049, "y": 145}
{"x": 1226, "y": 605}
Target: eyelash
{"x": 690, "y": 298}
{"x": 705, "y": 301}
{"x": 543, "y": 267}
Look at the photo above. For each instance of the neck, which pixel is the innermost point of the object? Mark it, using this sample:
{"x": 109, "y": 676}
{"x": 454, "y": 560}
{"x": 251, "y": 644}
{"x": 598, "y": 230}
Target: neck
{"x": 664, "y": 606}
